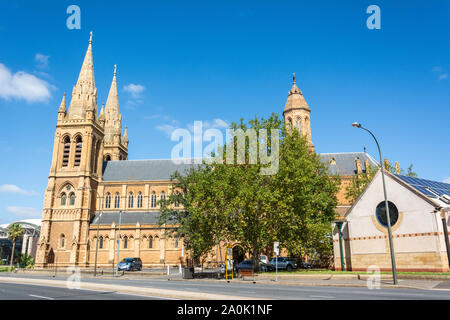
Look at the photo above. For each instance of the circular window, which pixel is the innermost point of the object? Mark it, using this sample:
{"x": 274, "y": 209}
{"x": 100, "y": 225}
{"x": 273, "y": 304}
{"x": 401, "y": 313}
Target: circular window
{"x": 381, "y": 213}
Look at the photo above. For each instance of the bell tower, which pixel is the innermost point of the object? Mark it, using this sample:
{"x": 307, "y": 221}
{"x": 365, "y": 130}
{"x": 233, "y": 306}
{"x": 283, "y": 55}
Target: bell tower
{"x": 75, "y": 172}
{"x": 297, "y": 113}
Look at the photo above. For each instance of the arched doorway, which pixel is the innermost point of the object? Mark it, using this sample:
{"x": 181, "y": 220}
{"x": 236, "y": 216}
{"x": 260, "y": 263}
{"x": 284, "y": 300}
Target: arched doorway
{"x": 50, "y": 259}
{"x": 238, "y": 254}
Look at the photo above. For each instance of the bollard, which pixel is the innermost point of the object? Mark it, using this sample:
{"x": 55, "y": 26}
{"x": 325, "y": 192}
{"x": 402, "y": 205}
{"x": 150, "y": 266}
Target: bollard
{"x": 180, "y": 269}
{"x": 168, "y": 271}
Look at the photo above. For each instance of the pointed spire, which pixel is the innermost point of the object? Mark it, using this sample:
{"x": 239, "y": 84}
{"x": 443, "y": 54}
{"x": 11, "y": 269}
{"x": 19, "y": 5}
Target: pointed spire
{"x": 84, "y": 94}
{"x": 62, "y": 107}
{"x": 113, "y": 124}
{"x": 112, "y": 103}
{"x": 295, "y": 99}
{"x": 87, "y": 69}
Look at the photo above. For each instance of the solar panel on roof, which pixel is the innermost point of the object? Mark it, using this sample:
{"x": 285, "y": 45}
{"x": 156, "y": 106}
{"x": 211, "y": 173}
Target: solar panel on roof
{"x": 424, "y": 191}
{"x": 421, "y": 185}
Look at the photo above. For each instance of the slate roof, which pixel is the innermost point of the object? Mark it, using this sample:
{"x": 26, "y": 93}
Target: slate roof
{"x": 128, "y": 218}
{"x": 151, "y": 170}
{"x": 143, "y": 170}
{"x": 345, "y": 162}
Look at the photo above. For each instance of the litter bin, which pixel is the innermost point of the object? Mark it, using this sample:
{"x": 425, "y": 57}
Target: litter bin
{"x": 188, "y": 273}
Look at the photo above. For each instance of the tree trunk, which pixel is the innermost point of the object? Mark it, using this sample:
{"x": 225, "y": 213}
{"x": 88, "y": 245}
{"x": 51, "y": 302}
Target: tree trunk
{"x": 12, "y": 255}
{"x": 255, "y": 260}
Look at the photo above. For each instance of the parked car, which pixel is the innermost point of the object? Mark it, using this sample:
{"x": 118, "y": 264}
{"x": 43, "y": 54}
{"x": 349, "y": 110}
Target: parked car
{"x": 284, "y": 263}
{"x": 248, "y": 265}
{"x": 264, "y": 259}
{"x": 129, "y": 264}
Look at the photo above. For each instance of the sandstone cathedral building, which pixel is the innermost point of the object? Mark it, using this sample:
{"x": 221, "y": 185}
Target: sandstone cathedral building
{"x": 91, "y": 181}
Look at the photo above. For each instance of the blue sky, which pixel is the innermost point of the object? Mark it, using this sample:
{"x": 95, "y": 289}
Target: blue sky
{"x": 218, "y": 61}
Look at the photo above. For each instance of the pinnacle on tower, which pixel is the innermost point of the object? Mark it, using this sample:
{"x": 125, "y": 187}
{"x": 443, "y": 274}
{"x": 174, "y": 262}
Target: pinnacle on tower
{"x": 125, "y": 136}
{"x": 295, "y": 99}
{"x": 102, "y": 113}
{"x": 62, "y": 107}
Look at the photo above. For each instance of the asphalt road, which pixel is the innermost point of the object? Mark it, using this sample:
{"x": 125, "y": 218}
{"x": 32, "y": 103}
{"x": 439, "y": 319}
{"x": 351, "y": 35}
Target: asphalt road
{"x": 15, "y": 291}
{"x": 263, "y": 291}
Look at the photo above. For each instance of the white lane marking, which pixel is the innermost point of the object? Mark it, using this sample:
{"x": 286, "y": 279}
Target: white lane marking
{"x": 323, "y": 297}
{"x": 145, "y": 296}
{"x": 41, "y": 297}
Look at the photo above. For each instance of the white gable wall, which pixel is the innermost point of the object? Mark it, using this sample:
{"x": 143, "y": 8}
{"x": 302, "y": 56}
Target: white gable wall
{"x": 417, "y": 236}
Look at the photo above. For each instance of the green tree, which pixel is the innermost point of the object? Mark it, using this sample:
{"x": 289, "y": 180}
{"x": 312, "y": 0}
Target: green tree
{"x": 183, "y": 207}
{"x": 237, "y": 202}
{"x": 15, "y": 231}
{"x": 305, "y": 199}
{"x": 25, "y": 260}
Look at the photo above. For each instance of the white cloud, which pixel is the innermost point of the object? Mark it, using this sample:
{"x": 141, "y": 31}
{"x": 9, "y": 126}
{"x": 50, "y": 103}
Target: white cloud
{"x": 42, "y": 60}
{"x": 24, "y": 212}
{"x": 12, "y": 188}
{"x": 23, "y": 86}
{"x": 168, "y": 128}
{"x": 447, "y": 180}
{"x": 441, "y": 73}
{"x": 134, "y": 89}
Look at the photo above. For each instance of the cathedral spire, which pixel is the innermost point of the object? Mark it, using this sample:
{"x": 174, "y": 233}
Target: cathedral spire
{"x": 113, "y": 124}
{"x": 112, "y": 103}
{"x": 84, "y": 94}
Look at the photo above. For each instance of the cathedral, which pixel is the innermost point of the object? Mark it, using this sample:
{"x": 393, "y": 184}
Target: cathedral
{"x": 96, "y": 195}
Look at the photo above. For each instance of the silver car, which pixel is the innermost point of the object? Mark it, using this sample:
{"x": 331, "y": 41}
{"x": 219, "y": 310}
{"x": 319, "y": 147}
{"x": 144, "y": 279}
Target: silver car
{"x": 284, "y": 263}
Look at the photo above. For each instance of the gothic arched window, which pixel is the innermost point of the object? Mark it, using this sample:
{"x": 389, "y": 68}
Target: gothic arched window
{"x": 150, "y": 242}
{"x": 117, "y": 200}
{"x": 299, "y": 125}
{"x": 66, "y": 152}
{"x": 108, "y": 201}
{"x": 100, "y": 244}
{"x": 153, "y": 200}
{"x": 72, "y": 199}
{"x": 78, "y": 148}
{"x": 175, "y": 243}
{"x": 163, "y": 197}
{"x": 307, "y": 126}
{"x": 139, "y": 200}
{"x": 125, "y": 242}
{"x": 63, "y": 199}
{"x": 130, "y": 200}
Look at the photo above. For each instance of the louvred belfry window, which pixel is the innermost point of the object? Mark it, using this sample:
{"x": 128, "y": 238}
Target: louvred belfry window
{"x": 66, "y": 152}
{"x": 78, "y": 148}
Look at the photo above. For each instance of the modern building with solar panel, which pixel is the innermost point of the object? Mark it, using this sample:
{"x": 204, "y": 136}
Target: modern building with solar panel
{"x": 419, "y": 215}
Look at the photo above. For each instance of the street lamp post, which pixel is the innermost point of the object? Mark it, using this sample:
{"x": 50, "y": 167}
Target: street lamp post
{"x": 388, "y": 218}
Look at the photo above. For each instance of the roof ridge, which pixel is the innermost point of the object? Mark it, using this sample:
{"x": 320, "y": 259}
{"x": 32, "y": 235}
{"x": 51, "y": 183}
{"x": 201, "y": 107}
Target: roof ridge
{"x": 155, "y": 159}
